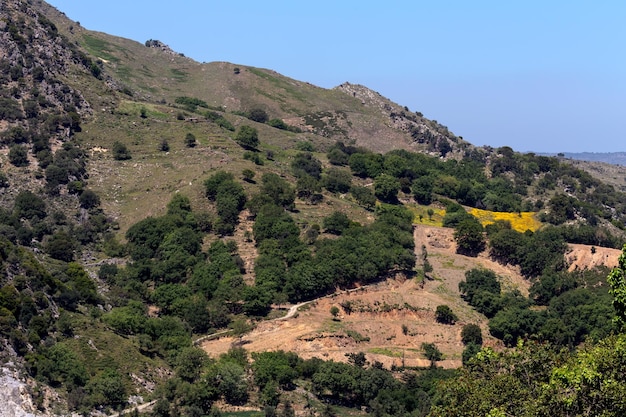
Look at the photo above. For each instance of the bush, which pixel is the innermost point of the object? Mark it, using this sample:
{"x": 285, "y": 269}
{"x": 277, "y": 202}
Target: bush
{"x": 305, "y": 163}
{"x": 337, "y": 180}
{"x": 248, "y": 175}
{"x": 164, "y": 146}
{"x": 18, "y": 155}
{"x": 444, "y": 315}
{"x": 432, "y": 353}
{"x": 120, "y": 151}
{"x": 61, "y": 247}
{"x": 89, "y": 199}
{"x": 336, "y": 223}
{"x": 471, "y": 333}
{"x": 247, "y": 137}
{"x": 190, "y": 140}
{"x": 258, "y": 115}
{"x": 4, "y": 180}
{"x": 386, "y": 188}
{"x": 364, "y": 196}
{"x": 28, "y": 205}
{"x": 278, "y": 124}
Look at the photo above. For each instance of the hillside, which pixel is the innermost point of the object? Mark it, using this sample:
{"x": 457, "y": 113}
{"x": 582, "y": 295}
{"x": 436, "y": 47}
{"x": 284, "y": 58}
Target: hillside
{"x": 148, "y": 201}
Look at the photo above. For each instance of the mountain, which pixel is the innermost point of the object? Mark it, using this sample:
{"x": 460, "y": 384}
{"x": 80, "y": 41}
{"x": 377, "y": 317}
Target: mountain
{"x": 151, "y": 205}
{"x": 614, "y": 158}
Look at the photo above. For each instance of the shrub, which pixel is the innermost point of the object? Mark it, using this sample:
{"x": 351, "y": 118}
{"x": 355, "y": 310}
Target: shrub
{"x": 120, "y": 151}
{"x": 248, "y": 175}
{"x": 89, "y": 199}
{"x": 386, "y": 188}
{"x": 337, "y": 180}
{"x": 278, "y": 124}
{"x": 28, "y": 205}
{"x": 4, "y": 180}
{"x": 305, "y": 146}
{"x": 61, "y": 247}
{"x": 305, "y": 163}
{"x": 432, "y": 353}
{"x": 190, "y": 140}
{"x": 444, "y": 315}
{"x": 471, "y": 333}
{"x": 247, "y": 137}
{"x": 364, "y": 196}
{"x": 18, "y": 155}
{"x": 336, "y": 223}
{"x": 258, "y": 115}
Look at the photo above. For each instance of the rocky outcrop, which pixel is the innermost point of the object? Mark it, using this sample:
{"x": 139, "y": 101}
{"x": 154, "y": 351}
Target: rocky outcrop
{"x": 155, "y": 44}
{"x": 15, "y": 400}
{"x": 435, "y": 138}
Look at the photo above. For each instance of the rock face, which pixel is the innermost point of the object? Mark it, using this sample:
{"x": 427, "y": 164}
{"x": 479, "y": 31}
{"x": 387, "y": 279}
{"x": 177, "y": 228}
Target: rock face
{"x": 15, "y": 401}
{"x": 428, "y": 134}
{"x": 153, "y": 43}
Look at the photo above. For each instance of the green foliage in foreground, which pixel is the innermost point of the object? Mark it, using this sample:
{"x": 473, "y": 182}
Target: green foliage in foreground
{"x": 539, "y": 380}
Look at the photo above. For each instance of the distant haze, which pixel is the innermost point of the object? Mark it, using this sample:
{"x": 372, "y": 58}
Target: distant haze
{"x": 535, "y": 75}
{"x": 615, "y": 158}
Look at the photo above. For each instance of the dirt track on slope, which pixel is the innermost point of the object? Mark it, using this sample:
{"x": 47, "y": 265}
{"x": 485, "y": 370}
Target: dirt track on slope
{"x": 380, "y": 311}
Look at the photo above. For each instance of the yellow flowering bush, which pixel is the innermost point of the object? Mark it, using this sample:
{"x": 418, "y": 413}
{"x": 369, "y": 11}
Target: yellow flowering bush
{"x": 519, "y": 221}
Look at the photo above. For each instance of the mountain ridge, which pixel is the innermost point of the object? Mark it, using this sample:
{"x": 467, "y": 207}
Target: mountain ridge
{"x": 613, "y": 158}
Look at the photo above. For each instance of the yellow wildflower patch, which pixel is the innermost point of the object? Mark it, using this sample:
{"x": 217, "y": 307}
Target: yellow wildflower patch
{"x": 421, "y": 216}
{"x": 519, "y": 221}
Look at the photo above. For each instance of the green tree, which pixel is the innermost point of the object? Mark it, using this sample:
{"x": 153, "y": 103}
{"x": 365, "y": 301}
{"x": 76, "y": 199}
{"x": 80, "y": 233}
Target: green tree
{"x": 61, "y": 246}
{"x": 305, "y": 163}
{"x": 364, "y": 196}
{"x": 469, "y": 237}
{"x": 337, "y": 157}
{"x": 29, "y": 206}
{"x": 278, "y": 190}
{"x": 190, "y": 363}
{"x": 386, "y": 188}
{"x": 89, "y": 199}
{"x": 617, "y": 282}
{"x": 308, "y": 188}
{"x": 444, "y": 314}
{"x": 471, "y": 333}
{"x": 334, "y": 311}
{"x": 422, "y": 190}
{"x": 470, "y": 351}
{"x": 337, "y": 180}
{"x": 336, "y": 223}
{"x": 432, "y": 353}
{"x": 107, "y": 389}
{"x": 247, "y": 137}
{"x": 248, "y": 175}
{"x": 479, "y": 280}
{"x": 120, "y": 151}
{"x": 258, "y": 115}
{"x": 18, "y": 155}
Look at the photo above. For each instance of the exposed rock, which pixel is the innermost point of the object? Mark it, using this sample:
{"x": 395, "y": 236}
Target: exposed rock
{"x": 15, "y": 401}
{"x": 156, "y": 44}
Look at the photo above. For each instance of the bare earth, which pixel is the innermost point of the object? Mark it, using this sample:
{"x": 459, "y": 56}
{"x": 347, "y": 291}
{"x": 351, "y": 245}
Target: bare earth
{"x": 380, "y": 311}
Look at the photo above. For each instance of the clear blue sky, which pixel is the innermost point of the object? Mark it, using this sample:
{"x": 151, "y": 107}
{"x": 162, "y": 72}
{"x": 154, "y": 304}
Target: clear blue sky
{"x": 544, "y": 76}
